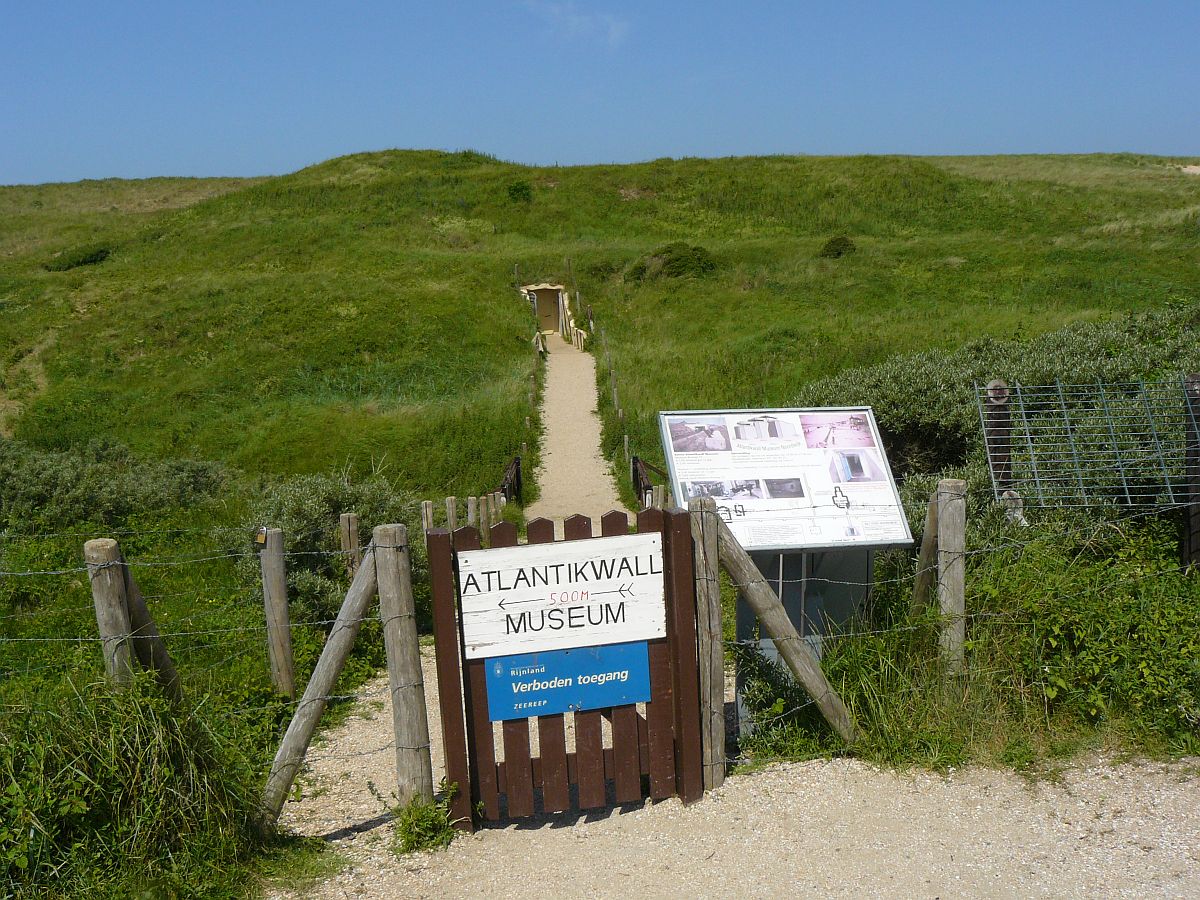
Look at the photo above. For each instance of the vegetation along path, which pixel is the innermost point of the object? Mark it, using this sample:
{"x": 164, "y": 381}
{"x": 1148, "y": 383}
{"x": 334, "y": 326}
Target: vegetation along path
{"x": 574, "y": 476}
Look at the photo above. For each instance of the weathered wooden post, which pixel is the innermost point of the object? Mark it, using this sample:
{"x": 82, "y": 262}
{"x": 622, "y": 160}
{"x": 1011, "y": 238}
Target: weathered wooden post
{"x": 1191, "y": 542}
{"x": 427, "y": 515}
{"x": 414, "y": 770}
{"x": 660, "y": 496}
{"x": 451, "y": 513}
{"x": 710, "y": 644}
{"x": 103, "y": 558}
{"x": 296, "y": 739}
{"x": 472, "y": 511}
{"x": 275, "y": 605}
{"x": 951, "y": 540}
{"x": 348, "y": 537}
{"x": 485, "y": 518}
{"x": 148, "y": 645}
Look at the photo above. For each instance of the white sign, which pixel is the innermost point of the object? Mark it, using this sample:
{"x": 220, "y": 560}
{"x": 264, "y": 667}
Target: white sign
{"x": 538, "y": 597}
{"x": 788, "y": 479}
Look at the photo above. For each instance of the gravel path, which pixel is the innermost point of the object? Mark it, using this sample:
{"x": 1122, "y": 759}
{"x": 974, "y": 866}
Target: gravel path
{"x": 573, "y": 476}
{"x": 839, "y": 828}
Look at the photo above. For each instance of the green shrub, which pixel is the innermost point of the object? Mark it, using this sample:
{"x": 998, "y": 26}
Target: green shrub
{"x": 100, "y": 484}
{"x": 75, "y": 257}
{"x": 925, "y": 402}
{"x": 520, "y": 191}
{"x": 307, "y": 508}
{"x": 836, "y": 247}
{"x": 426, "y": 825}
{"x": 675, "y": 260}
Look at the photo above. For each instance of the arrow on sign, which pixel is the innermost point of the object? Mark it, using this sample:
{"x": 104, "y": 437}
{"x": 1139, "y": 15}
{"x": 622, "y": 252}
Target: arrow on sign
{"x": 625, "y": 590}
{"x": 507, "y": 602}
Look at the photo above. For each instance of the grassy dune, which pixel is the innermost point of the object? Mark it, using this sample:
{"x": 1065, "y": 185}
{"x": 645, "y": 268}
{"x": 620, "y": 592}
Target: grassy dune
{"x": 361, "y": 310}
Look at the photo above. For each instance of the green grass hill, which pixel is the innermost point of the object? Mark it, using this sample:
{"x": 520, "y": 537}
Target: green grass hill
{"x": 361, "y": 310}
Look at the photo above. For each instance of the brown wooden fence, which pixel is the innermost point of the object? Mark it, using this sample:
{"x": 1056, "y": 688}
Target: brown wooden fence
{"x": 655, "y": 755}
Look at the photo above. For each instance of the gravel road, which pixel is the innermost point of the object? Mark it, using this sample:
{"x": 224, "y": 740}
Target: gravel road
{"x": 833, "y": 828}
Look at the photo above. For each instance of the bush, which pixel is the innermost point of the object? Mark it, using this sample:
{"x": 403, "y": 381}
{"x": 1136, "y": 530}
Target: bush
{"x": 674, "y": 260}
{"x": 520, "y": 191}
{"x": 925, "y": 402}
{"x": 87, "y": 255}
{"x": 836, "y": 247}
{"x": 101, "y": 484}
{"x": 307, "y": 508}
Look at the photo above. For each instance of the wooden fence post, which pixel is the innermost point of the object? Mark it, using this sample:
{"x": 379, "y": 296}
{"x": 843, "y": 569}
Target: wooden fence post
{"x": 452, "y": 513}
{"x": 927, "y": 558}
{"x": 112, "y": 613}
{"x": 275, "y": 605}
{"x": 410, "y": 722}
{"x": 1191, "y": 544}
{"x": 997, "y": 431}
{"x": 148, "y": 645}
{"x": 472, "y": 511}
{"x": 951, "y": 539}
{"x": 348, "y": 535}
{"x": 427, "y": 515}
{"x": 792, "y": 648}
{"x": 296, "y": 739}
{"x": 710, "y": 640}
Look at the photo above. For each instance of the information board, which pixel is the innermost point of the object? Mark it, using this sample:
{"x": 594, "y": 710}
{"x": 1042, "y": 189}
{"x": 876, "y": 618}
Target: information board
{"x": 559, "y": 681}
{"x": 787, "y": 479}
{"x": 556, "y": 596}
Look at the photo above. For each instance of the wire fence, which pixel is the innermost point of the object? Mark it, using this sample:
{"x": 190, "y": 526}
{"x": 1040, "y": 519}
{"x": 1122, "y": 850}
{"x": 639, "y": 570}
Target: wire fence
{"x": 208, "y": 643}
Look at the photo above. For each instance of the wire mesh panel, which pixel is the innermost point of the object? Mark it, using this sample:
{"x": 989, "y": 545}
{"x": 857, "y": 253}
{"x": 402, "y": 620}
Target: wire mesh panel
{"x": 1089, "y": 444}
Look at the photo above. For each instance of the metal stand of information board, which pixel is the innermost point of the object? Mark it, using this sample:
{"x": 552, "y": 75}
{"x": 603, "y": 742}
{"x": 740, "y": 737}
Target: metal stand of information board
{"x": 821, "y": 591}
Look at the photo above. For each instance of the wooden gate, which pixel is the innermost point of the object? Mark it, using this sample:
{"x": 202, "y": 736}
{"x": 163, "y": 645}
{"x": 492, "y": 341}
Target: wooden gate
{"x": 654, "y": 755}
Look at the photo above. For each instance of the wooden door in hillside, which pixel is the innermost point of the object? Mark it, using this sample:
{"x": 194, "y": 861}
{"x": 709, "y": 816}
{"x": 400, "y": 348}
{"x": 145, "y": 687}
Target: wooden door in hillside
{"x": 622, "y": 754}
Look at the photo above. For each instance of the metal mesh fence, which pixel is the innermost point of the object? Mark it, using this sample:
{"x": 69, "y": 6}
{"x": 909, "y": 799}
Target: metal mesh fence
{"x": 1060, "y": 445}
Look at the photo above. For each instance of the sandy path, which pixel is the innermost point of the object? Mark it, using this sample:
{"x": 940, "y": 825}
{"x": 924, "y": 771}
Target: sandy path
{"x": 839, "y": 828}
{"x": 573, "y": 476}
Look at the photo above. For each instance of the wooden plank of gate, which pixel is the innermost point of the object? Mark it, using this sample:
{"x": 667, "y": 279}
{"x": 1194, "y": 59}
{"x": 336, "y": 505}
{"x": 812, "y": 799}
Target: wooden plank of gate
{"x": 589, "y": 735}
{"x": 681, "y": 592}
{"x": 552, "y": 731}
{"x": 627, "y": 774}
{"x": 481, "y": 747}
{"x": 660, "y": 717}
{"x": 448, "y": 650}
{"x": 517, "y": 764}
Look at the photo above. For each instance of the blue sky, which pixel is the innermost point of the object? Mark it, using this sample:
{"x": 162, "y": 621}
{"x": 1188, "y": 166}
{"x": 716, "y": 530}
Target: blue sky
{"x": 128, "y": 89}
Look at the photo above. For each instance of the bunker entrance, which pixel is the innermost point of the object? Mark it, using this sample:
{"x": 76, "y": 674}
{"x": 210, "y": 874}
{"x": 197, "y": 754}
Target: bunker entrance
{"x": 547, "y": 301}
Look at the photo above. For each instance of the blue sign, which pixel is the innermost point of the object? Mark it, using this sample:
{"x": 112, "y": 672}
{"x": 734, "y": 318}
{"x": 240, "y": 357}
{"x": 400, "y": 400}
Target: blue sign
{"x": 556, "y": 681}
